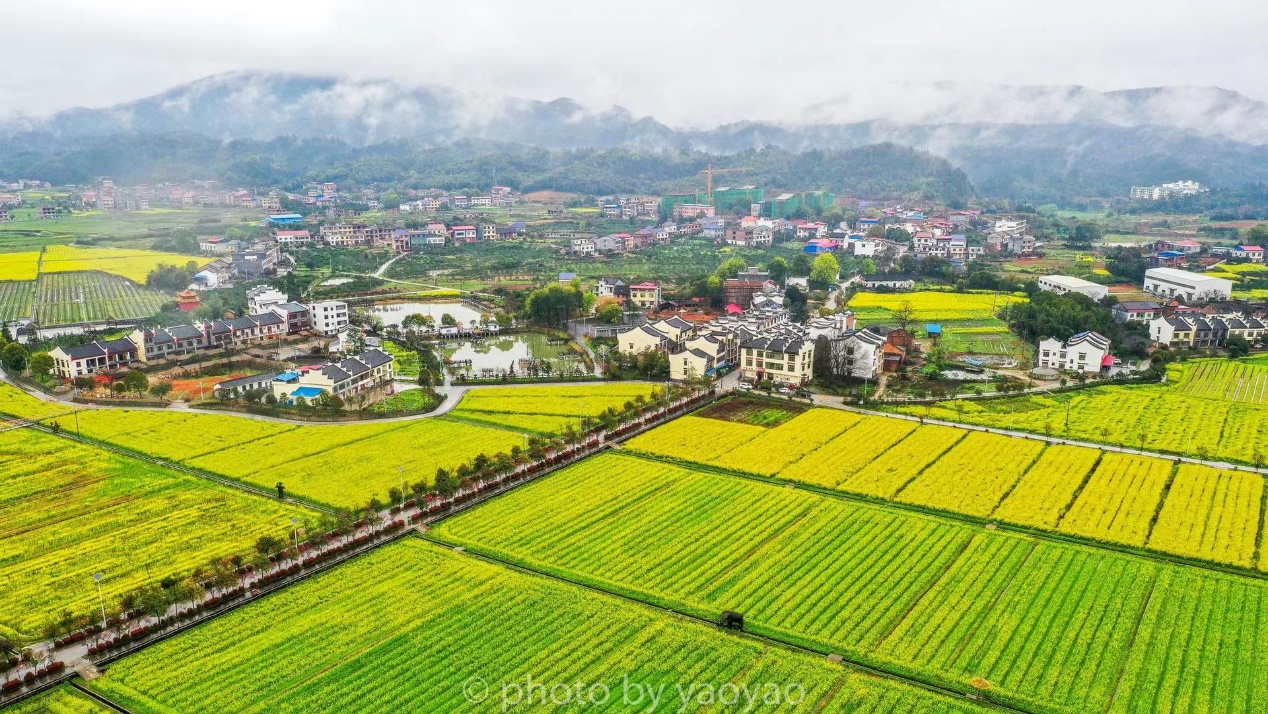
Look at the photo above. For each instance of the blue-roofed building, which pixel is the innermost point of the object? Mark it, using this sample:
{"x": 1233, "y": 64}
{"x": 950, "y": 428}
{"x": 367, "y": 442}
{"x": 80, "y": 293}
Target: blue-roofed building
{"x": 567, "y": 277}
{"x": 933, "y": 330}
{"x": 285, "y": 219}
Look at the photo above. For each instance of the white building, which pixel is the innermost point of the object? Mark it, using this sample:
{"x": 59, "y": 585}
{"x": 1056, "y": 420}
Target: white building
{"x": 101, "y": 355}
{"x": 1187, "y": 286}
{"x": 1062, "y": 284}
{"x": 1085, "y": 352}
{"x": 782, "y": 356}
{"x": 329, "y": 317}
{"x": 864, "y": 354}
{"x": 262, "y": 298}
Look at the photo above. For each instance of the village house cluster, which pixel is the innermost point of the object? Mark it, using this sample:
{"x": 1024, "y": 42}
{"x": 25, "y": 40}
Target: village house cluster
{"x": 272, "y": 317}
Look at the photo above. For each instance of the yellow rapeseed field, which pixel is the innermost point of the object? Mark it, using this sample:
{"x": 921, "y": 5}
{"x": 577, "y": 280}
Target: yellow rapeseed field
{"x": 131, "y": 264}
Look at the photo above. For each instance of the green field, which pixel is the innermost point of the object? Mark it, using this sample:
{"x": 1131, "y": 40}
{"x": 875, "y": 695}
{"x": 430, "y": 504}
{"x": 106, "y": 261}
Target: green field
{"x": 66, "y": 298}
{"x": 1046, "y": 626}
{"x": 63, "y": 699}
{"x": 120, "y": 229}
{"x": 1209, "y": 408}
{"x": 17, "y": 297}
{"x": 407, "y": 627}
{"x": 68, "y": 511}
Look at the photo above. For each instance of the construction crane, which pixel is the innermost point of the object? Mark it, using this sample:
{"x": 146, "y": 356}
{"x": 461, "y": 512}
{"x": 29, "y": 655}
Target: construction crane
{"x": 709, "y": 171}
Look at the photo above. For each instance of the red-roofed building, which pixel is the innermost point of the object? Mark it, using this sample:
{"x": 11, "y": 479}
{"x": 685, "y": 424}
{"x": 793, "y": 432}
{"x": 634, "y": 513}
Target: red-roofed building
{"x": 733, "y": 309}
{"x": 464, "y": 234}
{"x": 1253, "y": 253}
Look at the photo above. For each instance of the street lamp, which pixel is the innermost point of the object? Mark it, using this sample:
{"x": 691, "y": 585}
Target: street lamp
{"x": 295, "y": 532}
{"x": 101, "y": 599}
{"x": 402, "y": 470}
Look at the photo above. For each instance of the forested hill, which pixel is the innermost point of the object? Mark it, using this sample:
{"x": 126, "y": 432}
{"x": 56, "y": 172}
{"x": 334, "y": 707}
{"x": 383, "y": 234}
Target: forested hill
{"x": 882, "y": 170}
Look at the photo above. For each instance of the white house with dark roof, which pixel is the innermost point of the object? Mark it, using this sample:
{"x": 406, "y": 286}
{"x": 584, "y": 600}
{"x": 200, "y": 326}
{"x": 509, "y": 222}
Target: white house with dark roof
{"x": 1136, "y": 311}
{"x": 640, "y": 339}
{"x": 97, "y": 356}
{"x": 1084, "y": 352}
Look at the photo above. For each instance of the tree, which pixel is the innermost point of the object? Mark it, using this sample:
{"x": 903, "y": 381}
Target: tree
{"x": 778, "y": 269}
{"x": 1237, "y": 347}
{"x": 800, "y": 265}
{"x": 825, "y": 270}
{"x": 152, "y": 600}
{"x": 1085, "y": 234}
{"x": 14, "y": 357}
{"x": 869, "y": 266}
{"x": 876, "y": 232}
{"x": 268, "y": 545}
{"x": 85, "y": 382}
{"x": 446, "y": 484}
{"x": 448, "y": 320}
{"x": 609, "y": 312}
{"x": 904, "y": 316}
{"x": 41, "y": 364}
{"x": 161, "y": 390}
{"x": 136, "y": 381}
{"x": 1256, "y": 234}
{"x": 730, "y": 268}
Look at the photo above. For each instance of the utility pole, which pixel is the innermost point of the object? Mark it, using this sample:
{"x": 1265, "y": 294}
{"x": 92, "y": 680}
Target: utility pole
{"x": 101, "y": 599}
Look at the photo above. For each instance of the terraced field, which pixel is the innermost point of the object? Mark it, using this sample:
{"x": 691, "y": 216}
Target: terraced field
{"x": 449, "y": 620}
{"x": 1043, "y": 625}
{"x": 68, "y": 511}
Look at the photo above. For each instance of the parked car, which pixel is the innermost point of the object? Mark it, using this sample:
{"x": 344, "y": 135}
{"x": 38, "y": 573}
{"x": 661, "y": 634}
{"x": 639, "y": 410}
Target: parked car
{"x": 785, "y": 391}
{"x": 745, "y": 387}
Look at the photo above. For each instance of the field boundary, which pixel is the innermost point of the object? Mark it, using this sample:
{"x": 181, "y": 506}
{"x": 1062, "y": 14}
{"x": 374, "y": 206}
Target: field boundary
{"x": 847, "y": 661}
{"x": 97, "y": 697}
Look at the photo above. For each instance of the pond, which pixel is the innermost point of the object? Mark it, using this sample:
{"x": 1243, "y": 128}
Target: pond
{"x": 499, "y": 354}
{"x": 393, "y": 313}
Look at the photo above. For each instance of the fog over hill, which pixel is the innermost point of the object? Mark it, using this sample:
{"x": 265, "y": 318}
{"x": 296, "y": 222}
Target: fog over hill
{"x": 1011, "y": 140}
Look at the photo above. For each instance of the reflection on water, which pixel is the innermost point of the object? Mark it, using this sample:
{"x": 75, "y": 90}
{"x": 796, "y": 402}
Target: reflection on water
{"x": 504, "y": 352}
{"x": 393, "y": 313}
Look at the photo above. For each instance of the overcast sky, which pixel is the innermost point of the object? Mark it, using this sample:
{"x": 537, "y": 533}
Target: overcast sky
{"x": 688, "y": 62}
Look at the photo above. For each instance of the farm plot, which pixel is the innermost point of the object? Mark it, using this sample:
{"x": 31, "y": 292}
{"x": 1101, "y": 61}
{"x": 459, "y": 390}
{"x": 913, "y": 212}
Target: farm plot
{"x": 341, "y": 465}
{"x": 65, "y": 298}
{"x": 68, "y": 511}
{"x": 776, "y": 448}
{"x": 1043, "y": 494}
{"x": 449, "y": 620}
{"x": 793, "y": 562}
{"x": 174, "y": 435}
{"x": 975, "y": 475}
{"x": 1199, "y": 647}
{"x": 854, "y": 449}
{"x": 1046, "y": 626}
{"x": 20, "y": 266}
{"x": 134, "y": 265}
{"x": 693, "y": 438}
{"x": 1162, "y": 418}
{"x": 933, "y": 306}
{"x": 1224, "y": 380}
{"x": 546, "y": 410}
{"x": 347, "y": 464}
{"x": 16, "y": 299}
{"x": 1210, "y": 514}
{"x": 886, "y": 476}
{"x": 16, "y": 403}
{"x": 1120, "y": 499}
{"x": 1046, "y": 622}
{"x": 63, "y": 699}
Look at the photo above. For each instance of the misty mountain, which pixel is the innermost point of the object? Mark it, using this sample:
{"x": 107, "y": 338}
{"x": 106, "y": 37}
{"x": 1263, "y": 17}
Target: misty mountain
{"x": 1037, "y": 143}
